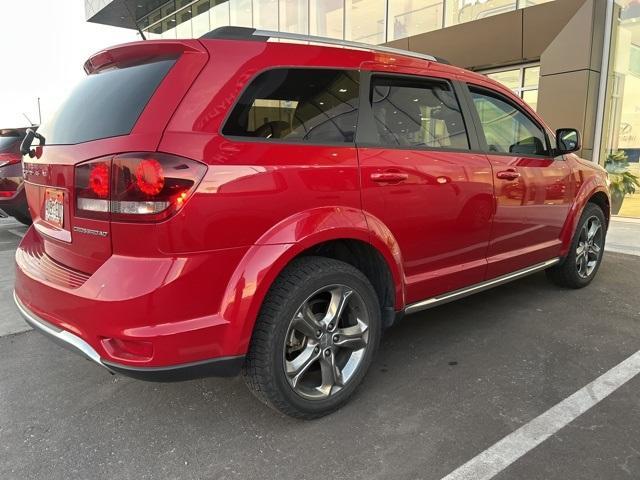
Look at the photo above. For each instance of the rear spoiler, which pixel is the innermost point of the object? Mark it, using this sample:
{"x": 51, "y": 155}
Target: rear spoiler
{"x": 140, "y": 52}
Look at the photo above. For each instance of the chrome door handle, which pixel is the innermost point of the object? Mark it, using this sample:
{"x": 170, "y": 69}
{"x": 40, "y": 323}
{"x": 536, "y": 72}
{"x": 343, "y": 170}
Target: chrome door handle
{"x": 508, "y": 175}
{"x": 389, "y": 177}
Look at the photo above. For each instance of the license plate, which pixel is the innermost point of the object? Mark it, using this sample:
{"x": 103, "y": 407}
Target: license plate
{"x": 54, "y": 207}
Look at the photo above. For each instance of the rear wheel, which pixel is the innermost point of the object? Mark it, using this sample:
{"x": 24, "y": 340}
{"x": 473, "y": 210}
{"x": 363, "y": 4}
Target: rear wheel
{"x": 580, "y": 266}
{"x": 314, "y": 339}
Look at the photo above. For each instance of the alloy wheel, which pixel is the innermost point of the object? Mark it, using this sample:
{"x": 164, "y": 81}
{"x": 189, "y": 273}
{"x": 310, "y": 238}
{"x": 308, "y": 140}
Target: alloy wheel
{"x": 326, "y": 342}
{"x": 589, "y": 246}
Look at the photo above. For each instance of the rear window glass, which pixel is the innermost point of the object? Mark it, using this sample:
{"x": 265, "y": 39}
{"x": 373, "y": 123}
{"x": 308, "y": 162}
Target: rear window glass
{"x": 298, "y": 105}
{"x": 9, "y": 144}
{"x": 105, "y": 104}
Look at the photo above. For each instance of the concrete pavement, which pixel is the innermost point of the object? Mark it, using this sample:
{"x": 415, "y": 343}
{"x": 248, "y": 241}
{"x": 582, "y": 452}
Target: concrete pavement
{"x": 447, "y": 384}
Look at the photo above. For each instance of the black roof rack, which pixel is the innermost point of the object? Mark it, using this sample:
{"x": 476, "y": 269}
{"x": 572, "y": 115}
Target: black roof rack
{"x": 246, "y": 33}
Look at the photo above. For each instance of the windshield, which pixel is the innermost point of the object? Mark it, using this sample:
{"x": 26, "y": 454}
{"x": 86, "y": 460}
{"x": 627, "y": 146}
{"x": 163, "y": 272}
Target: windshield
{"x": 105, "y": 104}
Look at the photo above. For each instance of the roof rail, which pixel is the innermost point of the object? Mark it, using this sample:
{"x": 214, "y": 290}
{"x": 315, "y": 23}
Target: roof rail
{"x": 245, "y": 33}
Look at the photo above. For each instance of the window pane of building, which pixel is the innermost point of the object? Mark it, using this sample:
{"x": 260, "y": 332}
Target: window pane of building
{"x": 200, "y": 21}
{"x": 531, "y": 3}
{"x": 417, "y": 114}
{"x": 509, "y": 78}
{"x": 169, "y": 27}
{"x": 219, "y": 15}
{"x": 620, "y": 154}
{"x": 168, "y": 7}
{"x": 294, "y": 16}
{"x": 155, "y": 32}
{"x": 265, "y": 14}
{"x": 410, "y": 17}
{"x": 326, "y": 18}
{"x": 183, "y": 17}
{"x": 364, "y": 21}
{"x": 531, "y": 77}
{"x": 298, "y": 105}
{"x": 460, "y": 11}
{"x": 240, "y": 13}
{"x": 531, "y": 97}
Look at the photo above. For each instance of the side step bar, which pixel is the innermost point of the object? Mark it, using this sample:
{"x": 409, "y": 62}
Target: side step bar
{"x": 478, "y": 287}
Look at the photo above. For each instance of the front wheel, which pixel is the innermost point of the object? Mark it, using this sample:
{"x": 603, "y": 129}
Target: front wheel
{"x": 314, "y": 339}
{"x": 582, "y": 262}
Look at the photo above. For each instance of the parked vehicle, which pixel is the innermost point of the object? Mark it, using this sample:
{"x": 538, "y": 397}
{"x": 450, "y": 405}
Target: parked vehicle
{"x": 13, "y": 201}
{"x": 230, "y": 204}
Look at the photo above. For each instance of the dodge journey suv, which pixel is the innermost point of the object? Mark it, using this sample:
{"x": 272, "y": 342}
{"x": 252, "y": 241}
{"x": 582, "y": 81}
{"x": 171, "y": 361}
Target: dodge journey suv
{"x": 237, "y": 205}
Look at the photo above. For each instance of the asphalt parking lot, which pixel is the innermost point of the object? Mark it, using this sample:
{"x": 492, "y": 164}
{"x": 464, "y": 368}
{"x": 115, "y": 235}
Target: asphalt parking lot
{"x": 447, "y": 385}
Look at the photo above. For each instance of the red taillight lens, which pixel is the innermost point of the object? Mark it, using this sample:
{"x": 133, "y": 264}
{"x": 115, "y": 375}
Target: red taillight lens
{"x": 92, "y": 188}
{"x": 150, "y": 177}
{"x": 99, "y": 179}
{"x": 139, "y": 187}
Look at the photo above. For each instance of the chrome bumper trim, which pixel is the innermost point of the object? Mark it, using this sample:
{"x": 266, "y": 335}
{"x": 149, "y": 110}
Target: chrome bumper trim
{"x": 478, "y": 287}
{"x": 63, "y": 337}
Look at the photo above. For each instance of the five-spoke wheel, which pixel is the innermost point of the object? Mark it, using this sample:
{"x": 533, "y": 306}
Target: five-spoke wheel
{"x": 589, "y": 246}
{"x": 579, "y": 267}
{"x": 326, "y": 341}
{"x": 315, "y": 337}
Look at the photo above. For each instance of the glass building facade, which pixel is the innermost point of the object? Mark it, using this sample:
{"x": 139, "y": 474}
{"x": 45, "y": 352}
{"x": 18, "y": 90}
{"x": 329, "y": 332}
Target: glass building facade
{"x": 620, "y": 151}
{"x": 368, "y": 21}
{"x": 523, "y": 80}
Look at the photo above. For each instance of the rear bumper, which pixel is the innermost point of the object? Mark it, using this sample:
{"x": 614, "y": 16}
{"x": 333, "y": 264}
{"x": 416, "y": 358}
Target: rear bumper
{"x": 148, "y": 317}
{"x": 221, "y": 367}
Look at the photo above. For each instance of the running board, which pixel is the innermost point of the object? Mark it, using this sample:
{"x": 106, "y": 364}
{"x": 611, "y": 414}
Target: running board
{"x": 478, "y": 287}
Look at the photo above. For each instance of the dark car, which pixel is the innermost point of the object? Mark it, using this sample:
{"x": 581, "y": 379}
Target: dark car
{"x": 13, "y": 201}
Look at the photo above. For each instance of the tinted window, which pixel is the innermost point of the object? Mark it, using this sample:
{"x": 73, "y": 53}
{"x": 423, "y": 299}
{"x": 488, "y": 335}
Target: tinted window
{"x": 9, "y": 144}
{"x": 506, "y": 128}
{"x": 416, "y": 113}
{"x": 301, "y": 105}
{"x": 105, "y": 104}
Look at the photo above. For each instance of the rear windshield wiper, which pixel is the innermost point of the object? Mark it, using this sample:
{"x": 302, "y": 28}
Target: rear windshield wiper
{"x": 25, "y": 146}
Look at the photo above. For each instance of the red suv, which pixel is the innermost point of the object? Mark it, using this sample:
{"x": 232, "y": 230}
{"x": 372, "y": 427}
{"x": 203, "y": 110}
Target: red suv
{"x": 233, "y": 204}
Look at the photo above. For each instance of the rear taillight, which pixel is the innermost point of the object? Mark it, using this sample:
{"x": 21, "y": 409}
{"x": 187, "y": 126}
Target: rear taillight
{"x": 9, "y": 159}
{"x": 135, "y": 187}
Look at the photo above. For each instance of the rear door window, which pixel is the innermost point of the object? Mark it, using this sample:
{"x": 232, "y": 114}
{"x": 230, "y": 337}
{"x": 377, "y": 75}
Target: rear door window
{"x": 417, "y": 113}
{"x": 105, "y": 104}
{"x": 298, "y": 105}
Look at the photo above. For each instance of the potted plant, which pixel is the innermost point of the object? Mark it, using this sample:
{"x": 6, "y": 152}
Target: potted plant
{"x": 623, "y": 182}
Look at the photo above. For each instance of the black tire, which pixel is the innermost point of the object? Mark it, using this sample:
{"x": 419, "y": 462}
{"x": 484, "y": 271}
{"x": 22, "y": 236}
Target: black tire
{"x": 264, "y": 369}
{"x": 567, "y": 274}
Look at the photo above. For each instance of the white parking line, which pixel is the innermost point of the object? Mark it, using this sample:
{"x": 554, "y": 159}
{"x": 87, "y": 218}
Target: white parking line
{"x": 499, "y": 456}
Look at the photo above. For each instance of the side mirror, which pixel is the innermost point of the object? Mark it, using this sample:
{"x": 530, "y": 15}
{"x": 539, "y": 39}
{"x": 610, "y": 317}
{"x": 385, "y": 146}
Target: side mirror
{"x": 567, "y": 141}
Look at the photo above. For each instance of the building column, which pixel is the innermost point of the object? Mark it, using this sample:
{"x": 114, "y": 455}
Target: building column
{"x": 570, "y": 74}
